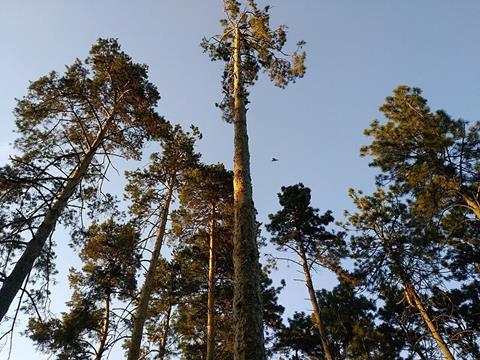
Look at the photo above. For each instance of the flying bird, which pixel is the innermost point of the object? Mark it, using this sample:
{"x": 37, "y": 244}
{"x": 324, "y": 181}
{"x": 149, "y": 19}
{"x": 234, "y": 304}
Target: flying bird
{"x": 274, "y": 159}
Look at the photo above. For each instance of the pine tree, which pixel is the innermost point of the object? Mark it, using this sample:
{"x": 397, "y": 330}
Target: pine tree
{"x": 426, "y": 153}
{"x": 393, "y": 248}
{"x": 91, "y": 326}
{"x": 298, "y": 228}
{"x": 207, "y": 185}
{"x": 69, "y": 127}
{"x": 206, "y": 199}
{"x": 247, "y": 45}
{"x": 151, "y": 192}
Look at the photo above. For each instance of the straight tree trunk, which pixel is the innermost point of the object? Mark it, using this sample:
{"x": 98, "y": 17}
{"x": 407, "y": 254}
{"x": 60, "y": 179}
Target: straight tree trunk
{"x": 314, "y": 302}
{"x": 12, "y": 283}
{"x": 410, "y": 290}
{"x": 211, "y": 290}
{"x": 247, "y": 303}
{"x": 147, "y": 288}
{"x": 166, "y": 328}
{"x": 104, "y": 329}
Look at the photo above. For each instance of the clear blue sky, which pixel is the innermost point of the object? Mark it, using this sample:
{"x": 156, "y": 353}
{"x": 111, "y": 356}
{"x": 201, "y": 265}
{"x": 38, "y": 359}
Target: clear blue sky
{"x": 358, "y": 52}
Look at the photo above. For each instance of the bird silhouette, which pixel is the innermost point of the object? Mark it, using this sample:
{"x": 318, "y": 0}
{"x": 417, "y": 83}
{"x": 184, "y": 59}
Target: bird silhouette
{"x": 274, "y": 159}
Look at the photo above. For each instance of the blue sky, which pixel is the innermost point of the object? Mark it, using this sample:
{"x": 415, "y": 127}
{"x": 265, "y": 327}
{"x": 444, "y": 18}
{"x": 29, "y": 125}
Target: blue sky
{"x": 357, "y": 53}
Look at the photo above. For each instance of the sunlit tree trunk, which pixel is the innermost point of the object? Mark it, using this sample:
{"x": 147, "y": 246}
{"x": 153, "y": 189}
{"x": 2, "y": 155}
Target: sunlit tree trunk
{"x": 417, "y": 302}
{"x": 104, "y": 329}
{"x": 314, "y": 302}
{"x": 247, "y": 307}
{"x": 166, "y": 328}
{"x": 211, "y": 290}
{"x": 13, "y": 283}
{"x": 148, "y": 285}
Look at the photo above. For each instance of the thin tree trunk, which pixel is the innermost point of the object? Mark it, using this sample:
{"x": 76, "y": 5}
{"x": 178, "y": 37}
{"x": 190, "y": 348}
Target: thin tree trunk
{"x": 314, "y": 302}
{"x": 211, "y": 290}
{"x": 104, "y": 329}
{"x": 166, "y": 328}
{"x": 12, "y": 283}
{"x": 428, "y": 321}
{"x": 147, "y": 288}
{"x": 247, "y": 303}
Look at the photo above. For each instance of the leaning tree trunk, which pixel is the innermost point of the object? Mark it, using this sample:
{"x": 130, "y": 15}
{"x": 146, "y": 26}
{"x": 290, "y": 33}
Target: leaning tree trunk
{"x": 314, "y": 302}
{"x": 12, "y": 283}
{"x": 104, "y": 329}
{"x": 147, "y": 288}
{"x": 247, "y": 302}
{"x": 417, "y": 302}
{"x": 211, "y": 290}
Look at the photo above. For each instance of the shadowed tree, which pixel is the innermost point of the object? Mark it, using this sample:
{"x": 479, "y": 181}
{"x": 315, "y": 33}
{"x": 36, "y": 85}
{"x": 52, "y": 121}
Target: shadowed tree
{"x": 193, "y": 252}
{"x": 163, "y": 301}
{"x": 69, "y": 127}
{"x": 299, "y": 337}
{"x": 298, "y": 228}
{"x": 248, "y": 45}
{"x": 394, "y": 248}
{"x": 91, "y": 327}
{"x": 151, "y": 192}
{"x": 206, "y": 201}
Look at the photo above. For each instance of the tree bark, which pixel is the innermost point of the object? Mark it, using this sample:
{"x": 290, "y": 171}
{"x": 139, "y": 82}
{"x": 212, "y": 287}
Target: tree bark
{"x": 147, "y": 288}
{"x": 314, "y": 302}
{"x": 247, "y": 303}
{"x": 104, "y": 329}
{"x": 410, "y": 290}
{"x": 211, "y": 290}
{"x": 12, "y": 283}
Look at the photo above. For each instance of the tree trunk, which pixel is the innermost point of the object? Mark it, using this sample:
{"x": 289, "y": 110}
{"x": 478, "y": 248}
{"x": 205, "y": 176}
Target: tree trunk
{"x": 314, "y": 302}
{"x": 247, "y": 303}
{"x": 104, "y": 329}
{"x": 166, "y": 328}
{"x": 211, "y": 290}
{"x": 12, "y": 283}
{"x": 417, "y": 302}
{"x": 147, "y": 288}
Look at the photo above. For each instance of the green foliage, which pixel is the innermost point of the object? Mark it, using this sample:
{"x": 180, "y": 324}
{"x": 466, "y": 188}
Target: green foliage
{"x": 425, "y": 153}
{"x": 111, "y": 259}
{"x": 300, "y": 338}
{"x": 299, "y": 226}
{"x": 146, "y": 188}
{"x": 99, "y": 108}
{"x": 207, "y": 191}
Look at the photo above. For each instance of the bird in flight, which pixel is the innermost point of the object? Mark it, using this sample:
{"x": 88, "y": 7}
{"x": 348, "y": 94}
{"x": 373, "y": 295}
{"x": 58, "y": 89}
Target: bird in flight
{"x": 274, "y": 159}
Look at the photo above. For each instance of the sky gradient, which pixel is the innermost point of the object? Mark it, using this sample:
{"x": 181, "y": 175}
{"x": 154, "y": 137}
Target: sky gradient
{"x": 357, "y": 53}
